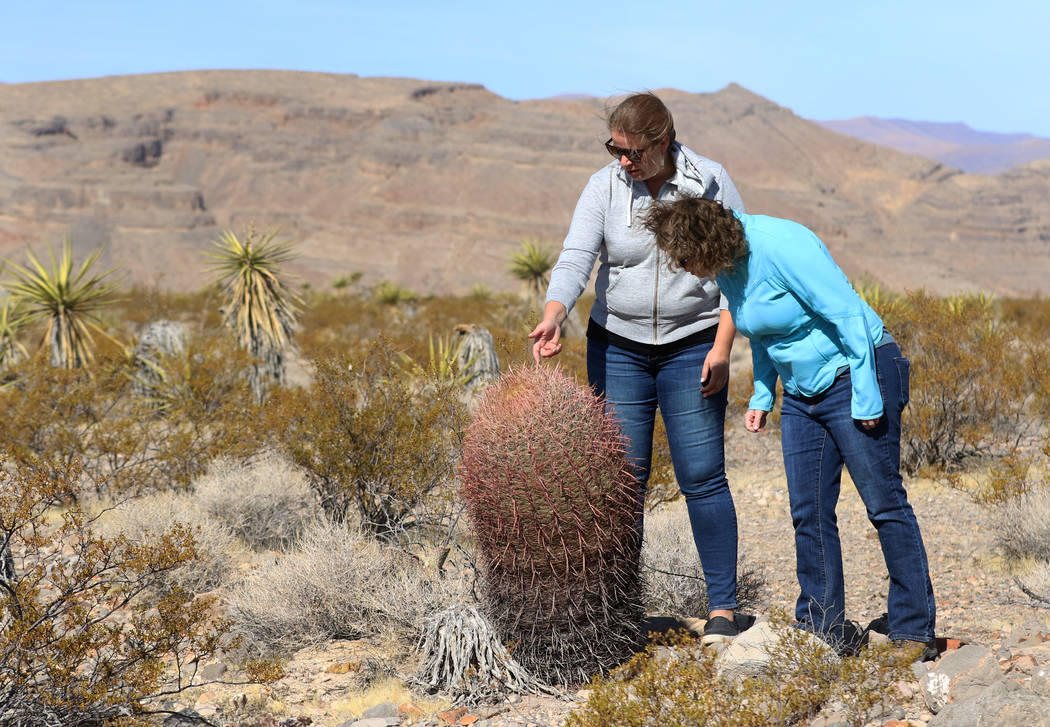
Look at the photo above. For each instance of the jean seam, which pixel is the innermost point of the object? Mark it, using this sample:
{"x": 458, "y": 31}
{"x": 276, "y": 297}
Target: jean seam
{"x": 820, "y": 528}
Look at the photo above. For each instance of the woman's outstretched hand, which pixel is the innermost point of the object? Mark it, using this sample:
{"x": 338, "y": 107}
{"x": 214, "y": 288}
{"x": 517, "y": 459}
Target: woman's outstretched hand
{"x": 545, "y": 340}
{"x": 755, "y": 420}
{"x": 546, "y": 337}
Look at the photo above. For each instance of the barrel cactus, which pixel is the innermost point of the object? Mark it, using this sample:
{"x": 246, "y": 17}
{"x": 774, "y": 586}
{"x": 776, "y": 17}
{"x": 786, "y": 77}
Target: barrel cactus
{"x": 556, "y": 513}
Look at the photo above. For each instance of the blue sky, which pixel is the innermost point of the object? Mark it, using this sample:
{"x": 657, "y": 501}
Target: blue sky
{"x": 986, "y": 64}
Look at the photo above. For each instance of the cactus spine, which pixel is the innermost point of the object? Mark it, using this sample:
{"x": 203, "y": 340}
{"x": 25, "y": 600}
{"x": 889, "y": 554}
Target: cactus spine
{"x": 556, "y": 511}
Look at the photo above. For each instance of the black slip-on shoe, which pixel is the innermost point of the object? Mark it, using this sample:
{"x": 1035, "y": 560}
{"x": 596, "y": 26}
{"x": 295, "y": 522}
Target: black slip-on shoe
{"x": 847, "y": 639}
{"x": 719, "y": 630}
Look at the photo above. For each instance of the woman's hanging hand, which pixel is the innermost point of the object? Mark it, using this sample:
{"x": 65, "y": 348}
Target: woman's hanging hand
{"x": 755, "y": 420}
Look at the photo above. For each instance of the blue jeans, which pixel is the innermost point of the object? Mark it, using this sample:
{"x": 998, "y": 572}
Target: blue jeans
{"x": 635, "y": 384}
{"x": 818, "y": 434}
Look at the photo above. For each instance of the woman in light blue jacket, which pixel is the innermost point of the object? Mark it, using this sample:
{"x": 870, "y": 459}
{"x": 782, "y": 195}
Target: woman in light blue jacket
{"x": 845, "y": 386}
{"x": 656, "y": 339}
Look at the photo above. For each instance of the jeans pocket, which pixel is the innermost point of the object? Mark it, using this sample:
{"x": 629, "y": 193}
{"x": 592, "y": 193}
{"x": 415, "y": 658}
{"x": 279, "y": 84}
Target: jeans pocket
{"x": 904, "y": 373}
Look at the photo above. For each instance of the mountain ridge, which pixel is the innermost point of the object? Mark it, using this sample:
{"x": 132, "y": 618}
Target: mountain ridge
{"x": 433, "y": 184}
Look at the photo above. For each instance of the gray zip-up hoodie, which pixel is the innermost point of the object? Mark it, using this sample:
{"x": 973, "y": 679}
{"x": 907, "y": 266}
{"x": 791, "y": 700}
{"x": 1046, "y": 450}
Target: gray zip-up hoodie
{"x": 636, "y": 296}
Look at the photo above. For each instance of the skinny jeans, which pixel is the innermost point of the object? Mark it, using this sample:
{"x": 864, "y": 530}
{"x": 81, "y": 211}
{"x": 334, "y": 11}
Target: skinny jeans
{"x": 635, "y": 385}
{"x": 819, "y": 435}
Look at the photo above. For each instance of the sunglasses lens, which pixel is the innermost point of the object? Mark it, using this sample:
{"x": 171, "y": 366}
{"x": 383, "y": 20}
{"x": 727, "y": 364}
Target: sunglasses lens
{"x": 635, "y": 155}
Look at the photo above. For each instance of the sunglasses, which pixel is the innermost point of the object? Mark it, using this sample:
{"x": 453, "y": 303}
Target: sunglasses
{"x": 635, "y": 155}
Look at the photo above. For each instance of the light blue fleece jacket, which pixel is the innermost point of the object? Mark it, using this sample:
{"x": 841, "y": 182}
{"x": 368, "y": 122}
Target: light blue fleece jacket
{"x": 803, "y": 317}
{"x": 636, "y": 295}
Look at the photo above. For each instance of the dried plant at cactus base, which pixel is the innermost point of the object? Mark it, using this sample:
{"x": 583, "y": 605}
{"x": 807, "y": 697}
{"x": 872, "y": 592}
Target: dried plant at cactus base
{"x": 260, "y": 307}
{"x": 556, "y": 514}
{"x": 68, "y": 302}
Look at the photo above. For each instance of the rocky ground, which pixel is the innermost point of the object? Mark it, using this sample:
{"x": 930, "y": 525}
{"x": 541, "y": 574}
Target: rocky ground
{"x": 1001, "y": 675}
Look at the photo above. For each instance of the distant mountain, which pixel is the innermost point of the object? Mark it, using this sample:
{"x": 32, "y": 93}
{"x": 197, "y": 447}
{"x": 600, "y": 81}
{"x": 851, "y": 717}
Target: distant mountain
{"x": 433, "y": 185}
{"x": 979, "y": 152}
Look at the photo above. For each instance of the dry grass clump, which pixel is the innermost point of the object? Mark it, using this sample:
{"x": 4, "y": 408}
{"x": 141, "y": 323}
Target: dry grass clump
{"x": 1022, "y": 525}
{"x": 338, "y": 583}
{"x": 674, "y": 579}
{"x": 142, "y": 520}
{"x": 678, "y": 685}
{"x": 267, "y": 503}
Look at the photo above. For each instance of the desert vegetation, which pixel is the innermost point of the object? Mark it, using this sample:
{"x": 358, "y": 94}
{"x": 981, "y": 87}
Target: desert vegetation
{"x": 251, "y": 469}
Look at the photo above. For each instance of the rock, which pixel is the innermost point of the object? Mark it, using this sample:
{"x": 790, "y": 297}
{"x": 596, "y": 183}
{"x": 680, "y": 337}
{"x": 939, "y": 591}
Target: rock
{"x": 1040, "y": 682}
{"x": 452, "y": 716}
{"x": 213, "y": 671}
{"x": 373, "y": 722}
{"x": 1003, "y": 704}
{"x": 184, "y": 718}
{"x": 409, "y": 710}
{"x": 959, "y": 675}
{"x": 748, "y": 654}
{"x": 384, "y": 709}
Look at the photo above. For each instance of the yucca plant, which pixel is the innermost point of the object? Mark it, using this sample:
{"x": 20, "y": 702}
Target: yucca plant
{"x": 260, "y": 305}
{"x": 67, "y": 301}
{"x": 12, "y": 319}
{"x": 532, "y": 265}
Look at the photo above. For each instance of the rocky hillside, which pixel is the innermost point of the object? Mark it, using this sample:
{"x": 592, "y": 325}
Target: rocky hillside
{"x": 434, "y": 184}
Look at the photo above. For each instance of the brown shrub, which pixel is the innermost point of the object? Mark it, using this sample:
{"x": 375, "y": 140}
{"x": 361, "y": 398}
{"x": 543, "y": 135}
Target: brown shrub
{"x": 80, "y": 641}
{"x": 202, "y": 408}
{"x": 374, "y": 442}
{"x": 971, "y": 387}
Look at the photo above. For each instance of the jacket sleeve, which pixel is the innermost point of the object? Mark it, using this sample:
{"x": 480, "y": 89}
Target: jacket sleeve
{"x": 727, "y": 193}
{"x": 579, "y": 251}
{"x": 765, "y": 379}
{"x": 811, "y": 274}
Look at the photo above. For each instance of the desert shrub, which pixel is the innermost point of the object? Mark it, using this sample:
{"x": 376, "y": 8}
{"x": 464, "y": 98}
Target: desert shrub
{"x": 680, "y": 686}
{"x": 201, "y": 408}
{"x": 143, "y": 519}
{"x": 80, "y": 641}
{"x": 971, "y": 387}
{"x": 266, "y": 503}
{"x": 673, "y": 577}
{"x": 338, "y": 583}
{"x": 375, "y": 442}
{"x": 555, "y": 511}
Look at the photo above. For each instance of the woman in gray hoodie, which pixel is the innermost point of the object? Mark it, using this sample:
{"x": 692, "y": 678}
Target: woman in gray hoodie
{"x": 655, "y": 339}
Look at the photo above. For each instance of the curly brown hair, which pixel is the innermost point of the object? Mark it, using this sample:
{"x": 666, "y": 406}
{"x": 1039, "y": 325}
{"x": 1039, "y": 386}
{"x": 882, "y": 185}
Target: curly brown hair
{"x": 695, "y": 230}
